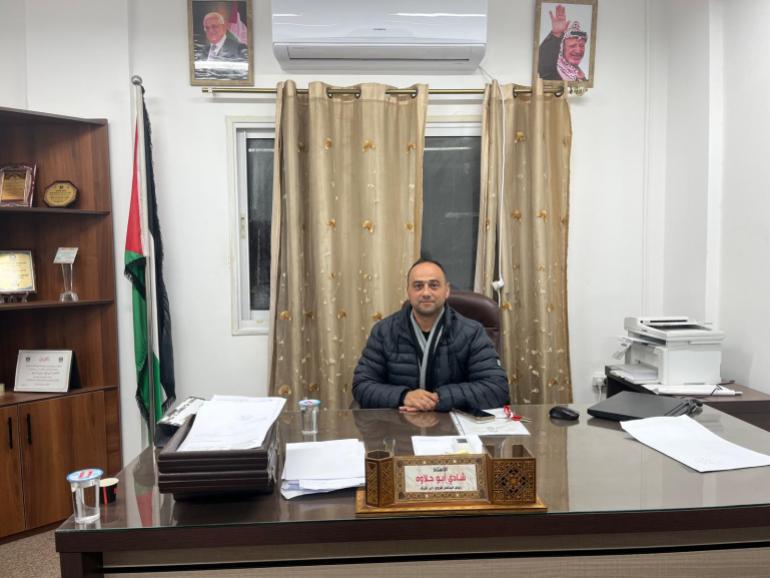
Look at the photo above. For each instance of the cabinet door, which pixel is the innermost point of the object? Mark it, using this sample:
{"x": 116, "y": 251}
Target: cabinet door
{"x": 12, "y": 502}
{"x": 60, "y": 435}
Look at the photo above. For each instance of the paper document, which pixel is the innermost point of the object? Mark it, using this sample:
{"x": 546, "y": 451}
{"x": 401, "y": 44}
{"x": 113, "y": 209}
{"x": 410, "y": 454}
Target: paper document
{"x": 636, "y": 372}
{"x": 696, "y": 390}
{"x": 313, "y": 467}
{"x": 446, "y": 445}
{"x": 685, "y": 440}
{"x": 232, "y": 423}
{"x": 501, "y": 426}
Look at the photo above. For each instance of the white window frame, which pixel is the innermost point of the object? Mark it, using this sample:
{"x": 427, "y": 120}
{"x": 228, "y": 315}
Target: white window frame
{"x": 244, "y": 320}
{"x": 452, "y": 126}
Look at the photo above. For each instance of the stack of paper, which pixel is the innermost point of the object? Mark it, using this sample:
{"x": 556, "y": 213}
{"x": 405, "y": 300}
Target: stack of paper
{"x": 315, "y": 467}
{"x": 232, "y": 423}
{"x": 636, "y": 372}
{"x": 696, "y": 390}
{"x": 446, "y": 445}
{"x": 500, "y": 426}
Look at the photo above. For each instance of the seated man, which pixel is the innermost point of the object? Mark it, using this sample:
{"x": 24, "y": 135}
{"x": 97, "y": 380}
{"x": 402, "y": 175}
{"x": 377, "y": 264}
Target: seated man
{"x": 428, "y": 357}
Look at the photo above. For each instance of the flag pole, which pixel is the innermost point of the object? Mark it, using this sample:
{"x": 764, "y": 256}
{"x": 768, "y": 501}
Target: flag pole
{"x": 149, "y": 255}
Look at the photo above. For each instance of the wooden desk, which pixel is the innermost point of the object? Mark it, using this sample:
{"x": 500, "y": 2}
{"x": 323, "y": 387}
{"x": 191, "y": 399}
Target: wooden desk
{"x": 616, "y": 508}
{"x": 752, "y": 406}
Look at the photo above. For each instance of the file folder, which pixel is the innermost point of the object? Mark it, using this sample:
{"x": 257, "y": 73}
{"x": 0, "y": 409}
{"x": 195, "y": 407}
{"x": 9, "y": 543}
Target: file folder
{"x": 211, "y": 473}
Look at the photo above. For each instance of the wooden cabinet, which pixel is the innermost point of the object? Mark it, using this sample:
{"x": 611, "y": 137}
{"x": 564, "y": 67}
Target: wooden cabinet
{"x": 12, "y": 503}
{"x": 60, "y": 436}
{"x": 44, "y": 439}
{"x": 80, "y": 428}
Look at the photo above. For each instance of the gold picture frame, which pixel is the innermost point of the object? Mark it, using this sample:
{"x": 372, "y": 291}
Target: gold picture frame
{"x": 565, "y": 42}
{"x": 220, "y": 42}
{"x": 17, "y": 272}
{"x": 17, "y": 184}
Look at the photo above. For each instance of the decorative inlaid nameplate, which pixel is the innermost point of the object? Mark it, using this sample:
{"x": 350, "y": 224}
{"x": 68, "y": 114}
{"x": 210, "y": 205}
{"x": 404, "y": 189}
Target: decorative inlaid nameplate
{"x": 463, "y": 483}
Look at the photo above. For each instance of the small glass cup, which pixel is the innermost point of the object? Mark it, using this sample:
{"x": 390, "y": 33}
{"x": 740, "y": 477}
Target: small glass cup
{"x": 309, "y": 414}
{"x": 85, "y": 494}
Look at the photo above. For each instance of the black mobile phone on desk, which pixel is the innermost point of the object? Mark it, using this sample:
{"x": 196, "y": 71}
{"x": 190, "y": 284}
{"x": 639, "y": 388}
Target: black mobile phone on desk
{"x": 478, "y": 415}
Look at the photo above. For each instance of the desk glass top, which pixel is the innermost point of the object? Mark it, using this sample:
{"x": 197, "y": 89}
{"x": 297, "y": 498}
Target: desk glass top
{"x": 582, "y": 467}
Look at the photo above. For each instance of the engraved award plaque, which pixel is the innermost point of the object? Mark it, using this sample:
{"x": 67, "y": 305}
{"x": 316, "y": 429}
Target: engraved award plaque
{"x": 17, "y": 184}
{"x": 60, "y": 194}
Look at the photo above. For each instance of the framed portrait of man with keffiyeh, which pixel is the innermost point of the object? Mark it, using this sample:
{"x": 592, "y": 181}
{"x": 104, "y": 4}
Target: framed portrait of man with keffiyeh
{"x": 565, "y": 42}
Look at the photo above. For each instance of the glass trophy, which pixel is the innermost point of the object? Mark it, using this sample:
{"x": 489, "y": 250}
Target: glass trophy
{"x": 68, "y": 295}
{"x": 65, "y": 257}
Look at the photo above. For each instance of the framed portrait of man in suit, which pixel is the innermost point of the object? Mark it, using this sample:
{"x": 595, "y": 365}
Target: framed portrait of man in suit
{"x": 220, "y": 37}
{"x": 565, "y": 42}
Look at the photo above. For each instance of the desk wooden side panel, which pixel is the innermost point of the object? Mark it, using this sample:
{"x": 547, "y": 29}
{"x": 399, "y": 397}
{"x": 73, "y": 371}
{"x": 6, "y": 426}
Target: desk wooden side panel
{"x": 747, "y": 563}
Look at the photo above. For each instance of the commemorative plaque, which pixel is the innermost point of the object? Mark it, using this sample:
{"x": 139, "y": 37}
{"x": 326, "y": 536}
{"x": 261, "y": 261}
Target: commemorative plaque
{"x": 60, "y": 194}
{"x": 17, "y": 185}
{"x": 17, "y": 274}
{"x": 46, "y": 370}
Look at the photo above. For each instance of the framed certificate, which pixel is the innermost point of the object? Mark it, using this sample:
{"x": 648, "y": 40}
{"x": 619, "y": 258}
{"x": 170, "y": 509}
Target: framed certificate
{"x": 44, "y": 370}
{"x": 17, "y": 185}
{"x": 17, "y": 272}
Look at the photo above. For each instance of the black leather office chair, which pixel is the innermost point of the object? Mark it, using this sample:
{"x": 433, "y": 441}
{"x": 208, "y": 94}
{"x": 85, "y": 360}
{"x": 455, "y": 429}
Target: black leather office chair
{"x": 479, "y": 308}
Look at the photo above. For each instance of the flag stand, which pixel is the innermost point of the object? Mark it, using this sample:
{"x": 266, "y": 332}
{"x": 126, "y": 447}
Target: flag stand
{"x": 148, "y": 264}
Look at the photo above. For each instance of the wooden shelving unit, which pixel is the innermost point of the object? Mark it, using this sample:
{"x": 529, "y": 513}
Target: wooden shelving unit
{"x": 45, "y": 436}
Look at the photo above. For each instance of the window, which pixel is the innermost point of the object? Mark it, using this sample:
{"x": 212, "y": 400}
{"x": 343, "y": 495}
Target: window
{"x": 254, "y": 143}
{"x": 450, "y": 210}
{"x": 451, "y": 181}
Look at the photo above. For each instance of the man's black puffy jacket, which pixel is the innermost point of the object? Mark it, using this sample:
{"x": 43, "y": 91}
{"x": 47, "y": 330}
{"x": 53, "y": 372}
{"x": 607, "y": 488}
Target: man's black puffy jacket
{"x": 465, "y": 371}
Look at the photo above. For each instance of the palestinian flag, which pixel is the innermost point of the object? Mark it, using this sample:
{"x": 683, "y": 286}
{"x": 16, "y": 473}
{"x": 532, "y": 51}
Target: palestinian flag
{"x": 235, "y": 26}
{"x": 143, "y": 248}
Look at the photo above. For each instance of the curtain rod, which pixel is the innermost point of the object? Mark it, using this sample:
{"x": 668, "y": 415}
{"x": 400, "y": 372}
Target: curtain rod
{"x": 556, "y": 90}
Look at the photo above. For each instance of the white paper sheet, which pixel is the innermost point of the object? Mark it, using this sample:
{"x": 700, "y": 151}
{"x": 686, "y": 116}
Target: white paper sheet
{"x": 636, "y": 372}
{"x": 501, "y": 426}
{"x": 330, "y": 485}
{"x": 688, "y": 442}
{"x": 446, "y": 445}
{"x": 324, "y": 460}
{"x": 315, "y": 467}
{"x": 696, "y": 390}
{"x": 232, "y": 423}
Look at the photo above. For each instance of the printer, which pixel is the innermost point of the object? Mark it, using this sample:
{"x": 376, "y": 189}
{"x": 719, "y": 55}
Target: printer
{"x": 683, "y": 351}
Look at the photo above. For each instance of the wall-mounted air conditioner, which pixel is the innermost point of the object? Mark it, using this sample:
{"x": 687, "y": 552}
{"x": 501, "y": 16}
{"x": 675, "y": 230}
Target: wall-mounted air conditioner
{"x": 433, "y": 36}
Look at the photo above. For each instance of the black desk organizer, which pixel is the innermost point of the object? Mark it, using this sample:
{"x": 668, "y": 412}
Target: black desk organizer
{"x": 206, "y": 474}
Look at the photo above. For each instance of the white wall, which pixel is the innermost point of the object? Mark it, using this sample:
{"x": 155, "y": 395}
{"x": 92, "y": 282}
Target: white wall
{"x": 687, "y": 159}
{"x": 13, "y": 43}
{"x": 745, "y": 280}
{"x": 624, "y": 245}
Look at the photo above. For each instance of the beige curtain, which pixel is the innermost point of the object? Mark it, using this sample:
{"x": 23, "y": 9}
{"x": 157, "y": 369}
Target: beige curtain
{"x": 524, "y": 240}
{"x": 347, "y": 213}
